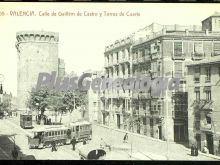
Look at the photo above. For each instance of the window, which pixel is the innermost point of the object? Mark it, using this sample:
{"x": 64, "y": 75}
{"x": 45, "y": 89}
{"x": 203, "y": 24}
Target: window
{"x": 216, "y": 49}
{"x": 197, "y": 75}
{"x": 144, "y": 106}
{"x": 208, "y": 74}
{"x": 197, "y": 92}
{"x": 55, "y": 133}
{"x": 208, "y": 119}
{"x": 151, "y": 122}
{"x": 46, "y": 134}
{"x": 159, "y": 106}
{"x": 52, "y": 133}
{"x": 178, "y": 69}
{"x": 73, "y": 129}
{"x": 155, "y": 108}
{"x": 198, "y": 49}
{"x": 77, "y": 128}
{"x": 178, "y": 48}
{"x": 144, "y": 121}
{"x": 208, "y": 95}
{"x": 49, "y": 133}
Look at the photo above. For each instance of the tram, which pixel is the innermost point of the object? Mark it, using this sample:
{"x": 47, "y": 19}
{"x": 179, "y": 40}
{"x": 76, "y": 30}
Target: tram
{"x": 26, "y": 120}
{"x": 60, "y": 134}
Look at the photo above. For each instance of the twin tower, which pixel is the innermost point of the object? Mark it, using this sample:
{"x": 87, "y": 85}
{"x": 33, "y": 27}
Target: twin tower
{"x": 37, "y": 52}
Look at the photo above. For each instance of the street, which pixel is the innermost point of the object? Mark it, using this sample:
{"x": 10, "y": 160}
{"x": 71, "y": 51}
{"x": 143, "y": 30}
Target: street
{"x": 137, "y": 146}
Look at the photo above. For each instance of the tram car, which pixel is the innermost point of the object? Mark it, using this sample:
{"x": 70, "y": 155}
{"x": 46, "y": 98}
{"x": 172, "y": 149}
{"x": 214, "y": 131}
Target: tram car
{"x": 60, "y": 134}
{"x": 26, "y": 120}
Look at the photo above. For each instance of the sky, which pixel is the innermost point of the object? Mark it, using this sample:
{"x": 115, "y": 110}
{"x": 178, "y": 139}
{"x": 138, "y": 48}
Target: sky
{"x": 82, "y": 39}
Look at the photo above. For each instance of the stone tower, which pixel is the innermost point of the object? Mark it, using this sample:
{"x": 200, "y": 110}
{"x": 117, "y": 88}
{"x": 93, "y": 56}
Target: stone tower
{"x": 37, "y": 52}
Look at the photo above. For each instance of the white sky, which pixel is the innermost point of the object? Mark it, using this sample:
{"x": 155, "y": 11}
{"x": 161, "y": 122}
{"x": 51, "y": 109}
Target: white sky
{"x": 83, "y": 39}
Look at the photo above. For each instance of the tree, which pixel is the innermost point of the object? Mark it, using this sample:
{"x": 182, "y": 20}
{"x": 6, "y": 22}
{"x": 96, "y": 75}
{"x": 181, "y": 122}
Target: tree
{"x": 38, "y": 101}
{"x": 56, "y": 103}
{"x": 59, "y": 102}
{"x": 74, "y": 99}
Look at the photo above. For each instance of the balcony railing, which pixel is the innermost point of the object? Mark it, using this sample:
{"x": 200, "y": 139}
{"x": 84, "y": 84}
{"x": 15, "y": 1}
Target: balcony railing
{"x": 206, "y": 127}
{"x": 181, "y": 56}
{"x": 122, "y": 60}
{"x": 198, "y": 56}
{"x": 155, "y": 55}
{"x": 140, "y": 59}
{"x": 135, "y": 61}
{"x": 144, "y": 95}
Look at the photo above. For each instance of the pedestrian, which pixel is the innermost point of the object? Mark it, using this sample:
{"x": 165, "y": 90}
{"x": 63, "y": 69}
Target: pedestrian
{"x": 73, "y": 142}
{"x": 196, "y": 151}
{"x": 84, "y": 142}
{"x": 53, "y": 146}
{"x": 126, "y": 138}
{"x": 14, "y": 153}
{"x": 193, "y": 150}
{"x": 205, "y": 150}
{"x": 102, "y": 144}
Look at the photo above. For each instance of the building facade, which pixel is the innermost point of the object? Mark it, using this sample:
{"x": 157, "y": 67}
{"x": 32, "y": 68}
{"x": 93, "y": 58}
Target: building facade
{"x": 155, "y": 51}
{"x": 204, "y": 107}
{"x": 94, "y": 101}
{"x": 37, "y": 52}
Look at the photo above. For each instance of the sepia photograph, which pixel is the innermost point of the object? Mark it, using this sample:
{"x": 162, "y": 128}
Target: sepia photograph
{"x": 110, "y": 81}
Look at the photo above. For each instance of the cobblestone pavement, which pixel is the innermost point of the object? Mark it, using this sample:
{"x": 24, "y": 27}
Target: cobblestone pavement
{"x": 138, "y": 147}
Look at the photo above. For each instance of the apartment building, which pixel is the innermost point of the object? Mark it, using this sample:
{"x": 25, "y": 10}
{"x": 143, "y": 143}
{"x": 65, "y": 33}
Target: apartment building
{"x": 154, "y": 51}
{"x": 204, "y": 106}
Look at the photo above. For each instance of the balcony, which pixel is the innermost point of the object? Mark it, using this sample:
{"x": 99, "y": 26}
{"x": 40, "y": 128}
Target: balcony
{"x": 198, "y": 56}
{"x": 118, "y": 110}
{"x": 144, "y": 95}
{"x": 155, "y": 113}
{"x": 123, "y": 60}
{"x": 140, "y": 59}
{"x": 202, "y": 105}
{"x": 147, "y": 57}
{"x": 155, "y": 55}
{"x": 180, "y": 56}
{"x": 206, "y": 127}
{"x": 179, "y": 114}
{"x": 105, "y": 111}
{"x": 135, "y": 61}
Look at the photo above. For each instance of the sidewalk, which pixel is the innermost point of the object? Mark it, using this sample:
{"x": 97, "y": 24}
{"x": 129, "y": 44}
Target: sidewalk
{"x": 154, "y": 148}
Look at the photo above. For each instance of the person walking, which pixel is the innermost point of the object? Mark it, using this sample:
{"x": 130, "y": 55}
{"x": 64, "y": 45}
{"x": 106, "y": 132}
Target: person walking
{"x": 84, "y": 142}
{"x": 196, "y": 151}
{"x": 73, "y": 142}
{"x": 14, "y": 153}
{"x": 126, "y": 138}
{"x": 193, "y": 150}
{"x": 53, "y": 146}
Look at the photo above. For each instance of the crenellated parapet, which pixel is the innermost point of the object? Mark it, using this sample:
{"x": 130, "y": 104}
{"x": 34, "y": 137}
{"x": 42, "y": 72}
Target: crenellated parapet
{"x": 37, "y": 36}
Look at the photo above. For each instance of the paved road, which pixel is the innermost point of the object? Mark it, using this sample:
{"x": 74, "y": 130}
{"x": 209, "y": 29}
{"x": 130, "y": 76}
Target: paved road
{"x": 137, "y": 146}
{"x": 154, "y": 149}
{"x": 6, "y": 145}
